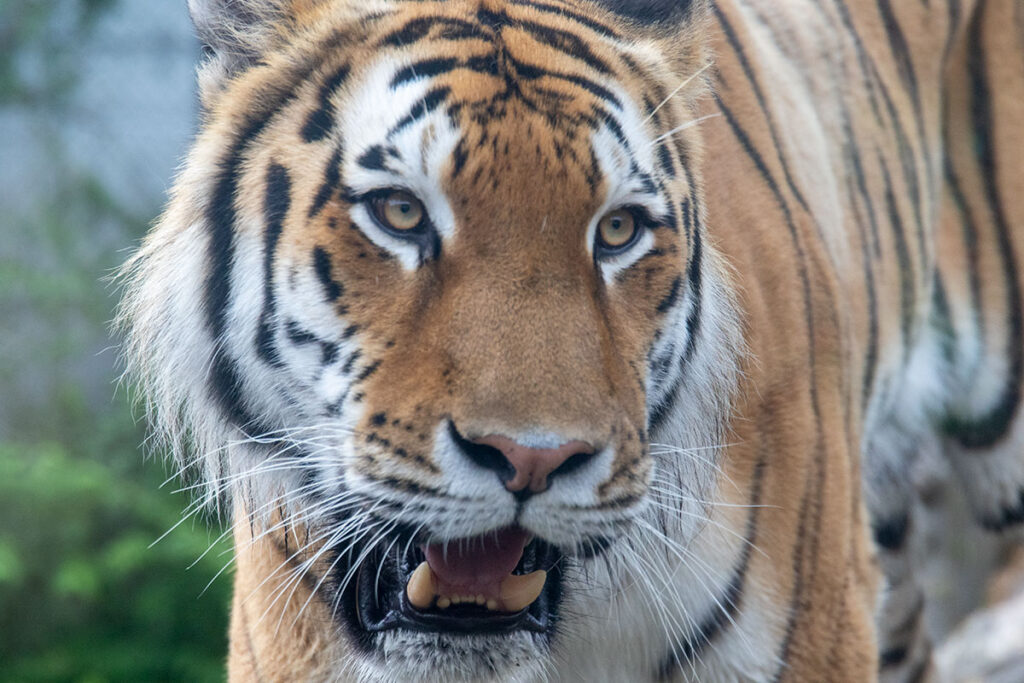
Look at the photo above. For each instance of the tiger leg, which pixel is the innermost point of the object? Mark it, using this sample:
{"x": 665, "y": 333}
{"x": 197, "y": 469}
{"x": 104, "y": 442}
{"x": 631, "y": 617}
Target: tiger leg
{"x": 981, "y": 247}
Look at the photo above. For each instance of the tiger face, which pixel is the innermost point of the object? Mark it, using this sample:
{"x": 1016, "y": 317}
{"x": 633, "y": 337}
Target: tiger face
{"x": 441, "y": 266}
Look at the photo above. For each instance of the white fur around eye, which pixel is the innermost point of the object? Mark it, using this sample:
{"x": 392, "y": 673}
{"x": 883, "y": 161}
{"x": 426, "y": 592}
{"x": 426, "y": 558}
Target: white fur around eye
{"x": 612, "y": 265}
{"x": 408, "y": 253}
{"x": 416, "y": 153}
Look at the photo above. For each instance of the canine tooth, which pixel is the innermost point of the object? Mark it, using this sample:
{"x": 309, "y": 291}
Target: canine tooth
{"x": 492, "y": 604}
{"x": 443, "y": 603}
{"x": 422, "y": 587}
{"x": 519, "y": 591}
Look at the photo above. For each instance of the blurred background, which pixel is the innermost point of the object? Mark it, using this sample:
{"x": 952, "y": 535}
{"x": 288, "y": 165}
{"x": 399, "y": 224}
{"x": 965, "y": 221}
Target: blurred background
{"x": 97, "y": 106}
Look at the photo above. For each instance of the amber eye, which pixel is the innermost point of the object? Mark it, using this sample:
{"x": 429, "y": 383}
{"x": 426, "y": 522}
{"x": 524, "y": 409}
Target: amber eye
{"x": 616, "y": 230}
{"x": 399, "y": 210}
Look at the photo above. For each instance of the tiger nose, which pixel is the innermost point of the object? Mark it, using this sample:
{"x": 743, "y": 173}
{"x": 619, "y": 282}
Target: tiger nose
{"x": 526, "y": 470}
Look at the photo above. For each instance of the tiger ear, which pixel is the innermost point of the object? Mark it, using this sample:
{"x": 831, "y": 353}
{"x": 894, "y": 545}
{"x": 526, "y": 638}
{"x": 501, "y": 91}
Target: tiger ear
{"x": 233, "y": 29}
{"x": 234, "y": 34}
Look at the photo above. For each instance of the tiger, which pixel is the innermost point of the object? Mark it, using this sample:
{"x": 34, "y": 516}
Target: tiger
{"x": 543, "y": 340}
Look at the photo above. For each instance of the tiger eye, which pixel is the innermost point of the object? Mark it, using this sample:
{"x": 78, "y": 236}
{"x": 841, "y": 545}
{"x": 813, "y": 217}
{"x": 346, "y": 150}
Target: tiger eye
{"x": 399, "y": 210}
{"x": 616, "y": 229}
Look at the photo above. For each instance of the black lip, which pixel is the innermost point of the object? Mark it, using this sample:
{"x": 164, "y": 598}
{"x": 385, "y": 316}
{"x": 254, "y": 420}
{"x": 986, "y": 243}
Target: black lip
{"x": 374, "y": 601}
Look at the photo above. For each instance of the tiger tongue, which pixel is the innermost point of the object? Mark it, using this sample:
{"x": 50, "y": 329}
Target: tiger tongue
{"x": 477, "y": 564}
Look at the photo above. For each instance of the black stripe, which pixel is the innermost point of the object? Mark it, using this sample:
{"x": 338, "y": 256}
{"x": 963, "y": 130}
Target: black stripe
{"x": 970, "y": 238}
{"x": 322, "y": 264}
{"x": 906, "y": 268}
{"x": 372, "y": 159}
{"x": 904, "y": 64}
{"x": 857, "y": 187}
{"x": 565, "y": 12}
{"x": 320, "y": 121}
{"x": 350, "y": 362}
{"x": 693, "y": 277}
{"x": 673, "y": 295}
{"x": 533, "y": 72}
{"x": 454, "y": 29}
{"x": 657, "y": 414}
{"x": 459, "y": 156}
{"x": 332, "y": 179}
{"x": 426, "y": 68}
{"x": 298, "y": 335}
{"x": 871, "y": 353}
{"x": 665, "y": 158}
{"x": 565, "y": 42}
{"x": 277, "y": 199}
{"x": 989, "y": 430}
{"x": 424, "y": 106}
{"x": 908, "y": 165}
{"x": 868, "y": 71}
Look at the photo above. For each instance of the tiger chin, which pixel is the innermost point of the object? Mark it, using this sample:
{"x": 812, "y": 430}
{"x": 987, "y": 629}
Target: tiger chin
{"x": 533, "y": 340}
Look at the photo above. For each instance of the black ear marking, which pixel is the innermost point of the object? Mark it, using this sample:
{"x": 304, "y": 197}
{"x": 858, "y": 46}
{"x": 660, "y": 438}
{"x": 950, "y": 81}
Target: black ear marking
{"x": 651, "y": 12}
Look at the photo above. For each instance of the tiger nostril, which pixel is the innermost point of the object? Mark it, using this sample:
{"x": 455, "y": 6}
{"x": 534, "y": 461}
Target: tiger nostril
{"x": 485, "y": 456}
{"x": 523, "y": 469}
{"x": 573, "y": 462}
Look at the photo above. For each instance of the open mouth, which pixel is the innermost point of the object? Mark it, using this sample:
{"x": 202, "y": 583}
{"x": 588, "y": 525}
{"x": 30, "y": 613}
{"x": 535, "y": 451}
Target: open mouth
{"x": 498, "y": 582}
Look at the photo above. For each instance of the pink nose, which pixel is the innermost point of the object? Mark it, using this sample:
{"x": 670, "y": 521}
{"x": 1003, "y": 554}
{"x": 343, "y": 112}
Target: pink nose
{"x": 533, "y": 466}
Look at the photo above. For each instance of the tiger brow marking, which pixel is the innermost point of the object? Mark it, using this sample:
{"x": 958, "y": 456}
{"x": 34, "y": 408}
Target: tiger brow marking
{"x": 565, "y": 42}
{"x": 423, "y": 69}
{"x": 332, "y": 178}
{"x": 418, "y": 28}
{"x": 594, "y": 26}
{"x": 320, "y": 121}
{"x": 531, "y": 72}
{"x": 426, "y": 104}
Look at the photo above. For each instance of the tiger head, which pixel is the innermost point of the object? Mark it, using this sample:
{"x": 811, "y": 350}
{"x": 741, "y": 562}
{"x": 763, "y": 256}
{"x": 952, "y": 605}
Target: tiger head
{"x": 433, "y": 280}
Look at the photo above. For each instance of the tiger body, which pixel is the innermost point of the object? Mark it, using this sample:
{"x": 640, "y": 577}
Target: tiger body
{"x": 822, "y": 290}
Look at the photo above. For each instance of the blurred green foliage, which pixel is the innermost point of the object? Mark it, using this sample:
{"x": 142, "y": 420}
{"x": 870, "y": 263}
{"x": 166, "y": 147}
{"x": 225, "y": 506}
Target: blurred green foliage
{"x": 83, "y": 596}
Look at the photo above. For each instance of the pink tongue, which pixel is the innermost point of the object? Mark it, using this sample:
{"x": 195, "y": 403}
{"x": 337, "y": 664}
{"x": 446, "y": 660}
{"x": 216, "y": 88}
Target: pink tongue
{"x": 477, "y": 562}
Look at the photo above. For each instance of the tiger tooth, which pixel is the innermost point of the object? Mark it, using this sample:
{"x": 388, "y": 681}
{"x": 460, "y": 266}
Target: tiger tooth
{"x": 422, "y": 587}
{"x": 519, "y": 591}
{"x": 444, "y": 603}
{"x": 492, "y": 604}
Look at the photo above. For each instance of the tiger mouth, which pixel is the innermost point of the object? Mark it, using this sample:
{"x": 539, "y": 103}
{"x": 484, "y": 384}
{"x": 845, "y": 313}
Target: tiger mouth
{"x": 498, "y": 582}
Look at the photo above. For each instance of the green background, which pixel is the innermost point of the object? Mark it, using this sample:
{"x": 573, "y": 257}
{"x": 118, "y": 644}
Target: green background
{"x": 85, "y": 595}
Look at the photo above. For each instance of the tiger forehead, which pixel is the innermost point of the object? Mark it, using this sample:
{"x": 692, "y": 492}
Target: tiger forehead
{"x": 480, "y": 56}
